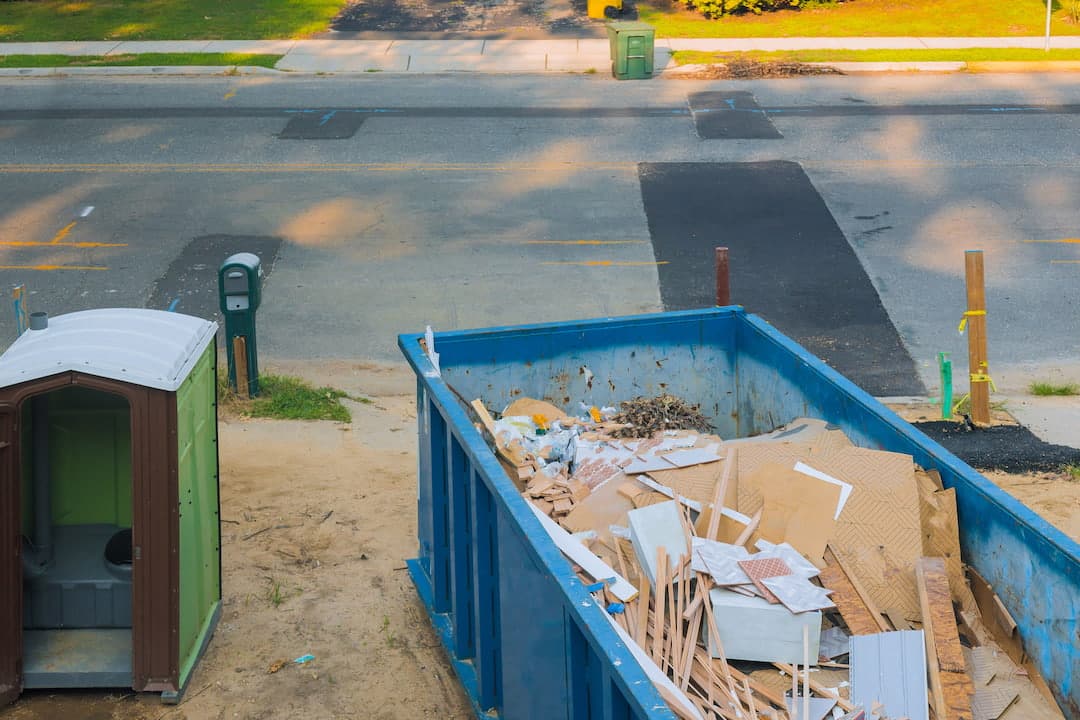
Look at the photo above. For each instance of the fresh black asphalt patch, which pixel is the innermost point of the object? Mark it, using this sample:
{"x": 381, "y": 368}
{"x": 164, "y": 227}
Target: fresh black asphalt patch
{"x": 328, "y": 125}
{"x": 190, "y": 284}
{"x": 790, "y": 263}
{"x": 730, "y": 116}
{"x": 1008, "y": 448}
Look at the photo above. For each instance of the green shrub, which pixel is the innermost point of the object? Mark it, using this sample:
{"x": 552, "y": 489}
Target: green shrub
{"x": 716, "y": 8}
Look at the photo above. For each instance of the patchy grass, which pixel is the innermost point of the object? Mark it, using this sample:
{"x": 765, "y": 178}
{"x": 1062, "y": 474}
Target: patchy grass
{"x": 1045, "y": 389}
{"x": 1072, "y": 472}
{"x": 697, "y": 57}
{"x": 139, "y": 60}
{"x": 287, "y": 398}
{"x": 873, "y": 18}
{"x": 42, "y": 20}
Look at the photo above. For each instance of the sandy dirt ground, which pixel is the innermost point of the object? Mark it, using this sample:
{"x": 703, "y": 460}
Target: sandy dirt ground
{"x": 318, "y": 518}
{"x": 336, "y": 505}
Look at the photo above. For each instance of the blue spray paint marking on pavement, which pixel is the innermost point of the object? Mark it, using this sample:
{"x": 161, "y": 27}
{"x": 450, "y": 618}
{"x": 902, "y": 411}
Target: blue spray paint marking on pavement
{"x": 173, "y": 304}
{"x": 326, "y": 118}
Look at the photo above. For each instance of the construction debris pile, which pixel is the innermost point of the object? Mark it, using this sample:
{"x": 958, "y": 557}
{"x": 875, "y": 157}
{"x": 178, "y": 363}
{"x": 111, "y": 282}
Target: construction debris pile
{"x": 790, "y": 575}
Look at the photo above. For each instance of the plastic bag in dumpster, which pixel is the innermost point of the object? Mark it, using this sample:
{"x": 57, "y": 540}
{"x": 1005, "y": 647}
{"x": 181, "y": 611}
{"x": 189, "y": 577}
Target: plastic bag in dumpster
{"x": 748, "y": 554}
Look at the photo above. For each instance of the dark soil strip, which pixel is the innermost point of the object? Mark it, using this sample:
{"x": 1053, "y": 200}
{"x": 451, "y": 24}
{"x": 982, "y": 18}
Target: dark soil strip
{"x": 790, "y": 263}
{"x": 1008, "y": 448}
{"x": 730, "y": 115}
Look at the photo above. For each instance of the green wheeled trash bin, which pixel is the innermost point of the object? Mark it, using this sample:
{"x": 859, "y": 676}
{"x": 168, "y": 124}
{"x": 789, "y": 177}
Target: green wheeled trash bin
{"x": 631, "y": 50}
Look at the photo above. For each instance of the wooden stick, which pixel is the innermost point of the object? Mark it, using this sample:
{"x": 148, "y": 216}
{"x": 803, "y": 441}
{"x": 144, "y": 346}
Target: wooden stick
{"x": 845, "y": 705}
{"x": 661, "y": 599}
{"x": 629, "y": 609}
{"x": 795, "y": 693}
{"x": 240, "y": 362}
{"x": 976, "y": 317}
{"x": 806, "y": 671}
{"x": 749, "y": 700}
{"x": 643, "y": 611}
{"x": 720, "y": 494}
{"x": 749, "y": 530}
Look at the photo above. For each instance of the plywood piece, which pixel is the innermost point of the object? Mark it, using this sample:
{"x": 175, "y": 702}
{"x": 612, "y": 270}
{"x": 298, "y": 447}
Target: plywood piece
{"x": 854, "y": 611}
{"x": 991, "y": 703}
{"x": 696, "y": 482}
{"x": 879, "y": 532}
{"x": 603, "y": 508}
{"x": 957, "y": 691}
{"x": 941, "y": 535}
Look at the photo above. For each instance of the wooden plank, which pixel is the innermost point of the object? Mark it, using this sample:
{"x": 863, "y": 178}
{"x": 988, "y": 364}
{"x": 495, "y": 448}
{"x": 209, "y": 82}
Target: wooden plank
{"x": 855, "y": 613}
{"x": 484, "y": 415}
{"x": 996, "y": 618}
{"x": 240, "y": 362}
{"x": 585, "y": 558}
{"x": 940, "y": 624}
{"x": 833, "y": 558}
{"x": 950, "y": 685}
{"x": 643, "y": 611}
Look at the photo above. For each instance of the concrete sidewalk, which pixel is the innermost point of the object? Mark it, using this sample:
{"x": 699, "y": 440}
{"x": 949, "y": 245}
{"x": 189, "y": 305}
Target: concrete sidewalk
{"x": 497, "y": 56}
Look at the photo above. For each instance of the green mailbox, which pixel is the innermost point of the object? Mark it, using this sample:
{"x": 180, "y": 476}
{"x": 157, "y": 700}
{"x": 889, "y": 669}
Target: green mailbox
{"x": 239, "y": 293}
{"x": 631, "y": 50}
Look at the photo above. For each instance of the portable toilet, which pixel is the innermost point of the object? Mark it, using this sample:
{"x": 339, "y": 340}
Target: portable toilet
{"x": 109, "y": 494}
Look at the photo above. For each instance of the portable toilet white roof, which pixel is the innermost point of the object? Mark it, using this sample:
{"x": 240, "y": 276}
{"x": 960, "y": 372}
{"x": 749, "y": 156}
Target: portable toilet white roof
{"x": 152, "y": 348}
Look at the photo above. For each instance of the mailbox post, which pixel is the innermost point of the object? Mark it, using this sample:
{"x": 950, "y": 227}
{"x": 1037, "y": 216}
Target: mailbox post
{"x": 239, "y": 293}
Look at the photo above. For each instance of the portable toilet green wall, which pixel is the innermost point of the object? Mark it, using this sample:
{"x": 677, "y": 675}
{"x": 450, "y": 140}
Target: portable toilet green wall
{"x": 109, "y": 483}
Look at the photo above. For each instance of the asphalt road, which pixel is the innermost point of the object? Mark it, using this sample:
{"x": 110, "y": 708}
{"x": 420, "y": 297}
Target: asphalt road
{"x": 384, "y": 204}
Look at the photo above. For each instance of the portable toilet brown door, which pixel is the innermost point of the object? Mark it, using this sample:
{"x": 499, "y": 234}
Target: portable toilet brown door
{"x": 109, "y": 496}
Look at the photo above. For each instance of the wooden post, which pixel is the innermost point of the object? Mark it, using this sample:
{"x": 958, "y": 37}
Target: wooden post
{"x": 240, "y": 359}
{"x": 723, "y": 278}
{"x": 976, "y": 326}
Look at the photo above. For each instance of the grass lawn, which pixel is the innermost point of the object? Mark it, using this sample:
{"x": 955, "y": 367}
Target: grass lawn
{"x": 42, "y": 20}
{"x": 879, "y": 18}
{"x": 140, "y": 60}
{"x": 696, "y": 57}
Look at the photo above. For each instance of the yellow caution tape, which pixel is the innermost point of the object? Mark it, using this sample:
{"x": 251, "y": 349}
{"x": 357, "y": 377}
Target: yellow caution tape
{"x": 967, "y": 314}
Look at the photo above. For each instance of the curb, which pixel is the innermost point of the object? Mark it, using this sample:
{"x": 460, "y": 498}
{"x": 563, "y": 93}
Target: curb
{"x": 141, "y": 70}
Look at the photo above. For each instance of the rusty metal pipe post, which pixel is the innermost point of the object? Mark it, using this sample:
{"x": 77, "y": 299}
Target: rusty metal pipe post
{"x": 723, "y": 278}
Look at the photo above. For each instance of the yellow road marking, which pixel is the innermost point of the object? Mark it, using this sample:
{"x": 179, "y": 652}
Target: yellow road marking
{"x": 36, "y": 243}
{"x": 229, "y": 95}
{"x": 585, "y": 242}
{"x": 1062, "y": 240}
{"x": 606, "y": 263}
{"x": 63, "y": 232}
{"x": 52, "y": 267}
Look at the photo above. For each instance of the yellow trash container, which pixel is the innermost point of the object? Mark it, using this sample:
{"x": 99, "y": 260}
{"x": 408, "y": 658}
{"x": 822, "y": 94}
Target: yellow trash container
{"x": 600, "y": 9}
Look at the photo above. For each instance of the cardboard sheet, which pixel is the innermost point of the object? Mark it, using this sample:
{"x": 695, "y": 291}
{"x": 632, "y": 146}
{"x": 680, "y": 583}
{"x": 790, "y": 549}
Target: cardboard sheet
{"x": 796, "y": 509}
{"x": 752, "y": 457}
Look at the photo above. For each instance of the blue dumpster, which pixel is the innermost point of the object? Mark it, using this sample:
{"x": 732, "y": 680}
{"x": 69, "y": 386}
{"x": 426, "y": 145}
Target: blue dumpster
{"x": 525, "y": 636}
